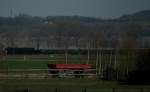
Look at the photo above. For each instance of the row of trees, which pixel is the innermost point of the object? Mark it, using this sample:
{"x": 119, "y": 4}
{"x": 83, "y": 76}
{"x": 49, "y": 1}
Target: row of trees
{"x": 69, "y": 34}
{"x": 128, "y": 65}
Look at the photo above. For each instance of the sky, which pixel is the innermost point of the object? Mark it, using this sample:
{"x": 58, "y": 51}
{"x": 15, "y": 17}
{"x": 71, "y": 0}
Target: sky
{"x": 91, "y": 8}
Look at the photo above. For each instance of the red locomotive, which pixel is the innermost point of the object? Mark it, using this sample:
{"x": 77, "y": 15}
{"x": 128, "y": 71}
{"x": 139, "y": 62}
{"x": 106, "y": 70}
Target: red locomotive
{"x": 70, "y": 66}
{"x": 73, "y": 70}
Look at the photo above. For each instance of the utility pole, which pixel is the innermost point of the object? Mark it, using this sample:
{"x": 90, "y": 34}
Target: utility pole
{"x": 37, "y": 43}
{"x": 66, "y": 56}
{"x": 110, "y": 60}
{"x": 100, "y": 62}
{"x": 88, "y": 58}
{"x": 97, "y": 59}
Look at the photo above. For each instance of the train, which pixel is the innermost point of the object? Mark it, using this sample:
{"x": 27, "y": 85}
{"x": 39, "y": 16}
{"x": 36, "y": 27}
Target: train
{"x": 71, "y": 70}
{"x": 22, "y": 51}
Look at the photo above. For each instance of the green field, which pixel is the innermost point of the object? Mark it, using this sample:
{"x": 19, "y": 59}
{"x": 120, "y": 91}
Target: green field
{"x": 36, "y": 64}
{"x": 68, "y": 85}
{"x": 8, "y": 63}
{"x": 41, "y": 61}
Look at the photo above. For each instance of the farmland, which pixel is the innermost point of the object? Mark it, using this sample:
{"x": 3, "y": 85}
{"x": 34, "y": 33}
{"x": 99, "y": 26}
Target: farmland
{"x": 68, "y": 85}
{"x": 41, "y": 61}
{"x": 24, "y": 63}
{"x": 21, "y": 64}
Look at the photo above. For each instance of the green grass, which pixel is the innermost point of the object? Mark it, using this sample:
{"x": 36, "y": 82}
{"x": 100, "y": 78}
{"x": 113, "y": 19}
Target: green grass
{"x": 68, "y": 85}
{"x": 64, "y": 85}
{"x": 40, "y": 62}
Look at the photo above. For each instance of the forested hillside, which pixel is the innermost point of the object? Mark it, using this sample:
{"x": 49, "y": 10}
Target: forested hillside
{"x": 75, "y": 31}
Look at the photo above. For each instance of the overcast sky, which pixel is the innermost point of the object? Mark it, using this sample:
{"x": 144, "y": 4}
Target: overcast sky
{"x": 92, "y": 8}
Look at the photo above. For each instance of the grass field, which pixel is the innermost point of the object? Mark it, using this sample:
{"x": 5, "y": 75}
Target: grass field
{"x": 41, "y": 61}
{"x": 63, "y": 85}
{"x": 38, "y": 62}
{"x": 69, "y": 85}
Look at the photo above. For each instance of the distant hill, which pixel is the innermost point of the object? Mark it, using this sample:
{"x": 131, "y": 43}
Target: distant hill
{"x": 138, "y": 16}
{"x": 75, "y": 31}
{"x": 24, "y": 19}
{"x": 74, "y": 18}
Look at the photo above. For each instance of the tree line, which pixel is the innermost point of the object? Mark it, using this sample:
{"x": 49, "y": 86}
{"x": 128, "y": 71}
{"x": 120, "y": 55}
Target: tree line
{"x": 38, "y": 32}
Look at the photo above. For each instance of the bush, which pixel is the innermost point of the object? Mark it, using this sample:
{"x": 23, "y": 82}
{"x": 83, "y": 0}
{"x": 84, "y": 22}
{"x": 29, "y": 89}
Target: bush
{"x": 142, "y": 72}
